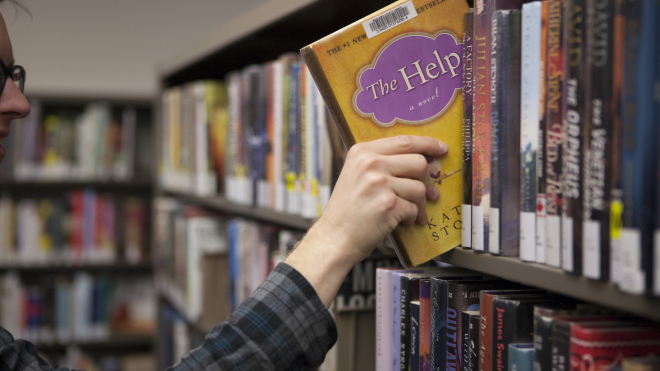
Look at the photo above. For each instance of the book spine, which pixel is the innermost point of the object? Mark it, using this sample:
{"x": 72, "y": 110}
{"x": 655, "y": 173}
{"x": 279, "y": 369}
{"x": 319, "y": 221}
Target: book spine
{"x": 407, "y": 287}
{"x": 424, "y": 325}
{"x": 640, "y": 136}
{"x": 468, "y": 80}
{"x": 597, "y": 178}
{"x": 465, "y": 340}
{"x": 529, "y": 113}
{"x": 395, "y": 334}
{"x": 438, "y": 321}
{"x": 485, "y": 331}
{"x": 414, "y": 337}
{"x": 521, "y": 357}
{"x": 541, "y": 197}
{"x": 575, "y": 99}
{"x": 456, "y": 303}
{"x": 542, "y": 341}
{"x": 474, "y": 342}
{"x": 481, "y": 130}
{"x": 505, "y": 130}
{"x": 561, "y": 337}
{"x": 554, "y": 131}
{"x": 512, "y": 323}
{"x": 383, "y": 322}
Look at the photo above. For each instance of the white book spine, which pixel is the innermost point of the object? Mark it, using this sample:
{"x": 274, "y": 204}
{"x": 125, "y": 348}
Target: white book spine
{"x": 591, "y": 249}
{"x": 553, "y": 240}
{"x": 494, "y": 231}
{"x": 383, "y": 318}
{"x": 466, "y": 225}
{"x": 633, "y": 278}
{"x": 478, "y": 228}
{"x": 567, "y": 243}
{"x": 529, "y": 120}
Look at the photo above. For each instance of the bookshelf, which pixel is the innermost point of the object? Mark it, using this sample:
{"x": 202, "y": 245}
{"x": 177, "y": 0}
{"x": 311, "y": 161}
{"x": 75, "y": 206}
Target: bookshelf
{"x": 53, "y": 271}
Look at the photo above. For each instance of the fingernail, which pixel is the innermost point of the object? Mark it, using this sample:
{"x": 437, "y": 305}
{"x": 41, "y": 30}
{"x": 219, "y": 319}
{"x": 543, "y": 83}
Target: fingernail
{"x": 443, "y": 146}
{"x": 436, "y": 192}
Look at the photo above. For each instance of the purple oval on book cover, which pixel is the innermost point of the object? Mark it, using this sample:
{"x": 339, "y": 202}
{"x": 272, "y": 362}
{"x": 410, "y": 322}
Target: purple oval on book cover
{"x": 413, "y": 79}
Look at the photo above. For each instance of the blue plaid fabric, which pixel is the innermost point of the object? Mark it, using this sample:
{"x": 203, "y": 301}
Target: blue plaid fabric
{"x": 283, "y": 325}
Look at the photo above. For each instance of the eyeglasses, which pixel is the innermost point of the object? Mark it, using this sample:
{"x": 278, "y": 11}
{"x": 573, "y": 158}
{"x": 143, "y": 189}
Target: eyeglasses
{"x": 15, "y": 73}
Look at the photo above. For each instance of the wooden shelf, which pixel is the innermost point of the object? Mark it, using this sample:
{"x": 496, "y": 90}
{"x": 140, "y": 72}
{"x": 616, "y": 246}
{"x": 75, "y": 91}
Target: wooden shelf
{"x": 254, "y": 213}
{"x": 113, "y": 268}
{"x": 555, "y": 280}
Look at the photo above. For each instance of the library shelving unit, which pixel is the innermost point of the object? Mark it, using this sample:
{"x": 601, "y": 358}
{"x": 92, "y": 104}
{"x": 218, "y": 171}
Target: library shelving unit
{"x": 36, "y": 271}
{"x": 276, "y": 27}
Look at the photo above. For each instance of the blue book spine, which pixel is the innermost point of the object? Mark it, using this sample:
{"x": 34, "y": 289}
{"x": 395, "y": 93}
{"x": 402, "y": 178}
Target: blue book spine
{"x": 396, "y": 316}
{"x": 293, "y": 118}
{"x": 521, "y": 357}
{"x": 639, "y": 143}
{"x": 232, "y": 232}
{"x": 414, "y": 336}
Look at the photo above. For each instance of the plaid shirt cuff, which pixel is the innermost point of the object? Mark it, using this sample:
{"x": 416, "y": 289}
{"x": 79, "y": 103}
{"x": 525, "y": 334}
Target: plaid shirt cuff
{"x": 283, "y": 325}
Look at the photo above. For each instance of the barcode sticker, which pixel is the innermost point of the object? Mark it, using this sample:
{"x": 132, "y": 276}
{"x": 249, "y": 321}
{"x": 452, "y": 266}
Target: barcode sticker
{"x": 393, "y": 18}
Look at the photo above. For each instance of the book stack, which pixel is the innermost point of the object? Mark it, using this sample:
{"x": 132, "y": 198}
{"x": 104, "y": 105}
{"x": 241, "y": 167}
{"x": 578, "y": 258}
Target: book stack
{"x": 260, "y": 138}
{"x": 195, "y": 249}
{"x": 82, "y": 308}
{"x": 564, "y": 125}
{"x": 64, "y": 144}
{"x": 452, "y": 319}
{"x": 82, "y": 226}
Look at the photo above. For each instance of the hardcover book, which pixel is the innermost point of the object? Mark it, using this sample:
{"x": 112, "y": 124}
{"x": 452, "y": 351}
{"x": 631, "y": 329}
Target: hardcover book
{"x": 475, "y": 318}
{"x": 521, "y": 357}
{"x": 468, "y": 80}
{"x": 541, "y": 201}
{"x": 399, "y": 71}
{"x": 481, "y": 119}
{"x": 504, "y": 225}
{"x": 554, "y": 113}
{"x": 414, "y": 336}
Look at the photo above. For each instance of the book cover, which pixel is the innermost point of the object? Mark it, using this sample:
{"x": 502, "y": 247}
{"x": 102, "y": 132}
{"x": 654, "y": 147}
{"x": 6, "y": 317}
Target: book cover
{"x": 521, "y": 357}
{"x": 384, "y": 79}
{"x": 598, "y": 152}
{"x": 529, "y": 126}
{"x": 414, "y": 336}
{"x": 465, "y": 337}
{"x": 468, "y": 80}
{"x": 475, "y": 318}
{"x": 481, "y": 118}
{"x": 504, "y": 225}
{"x": 575, "y": 100}
{"x": 639, "y": 144}
{"x": 605, "y": 347}
{"x": 554, "y": 114}
{"x": 513, "y": 322}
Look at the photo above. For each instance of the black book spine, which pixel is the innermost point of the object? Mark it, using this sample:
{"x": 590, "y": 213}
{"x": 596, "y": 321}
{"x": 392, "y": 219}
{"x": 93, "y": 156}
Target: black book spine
{"x": 598, "y": 141}
{"x": 465, "y": 339}
{"x": 504, "y": 235}
{"x": 561, "y": 345}
{"x": 576, "y": 102}
{"x": 473, "y": 364}
{"x": 414, "y": 337}
{"x": 542, "y": 340}
{"x": 407, "y": 295}
{"x": 554, "y": 114}
{"x": 468, "y": 77}
{"x": 438, "y": 323}
{"x": 513, "y": 322}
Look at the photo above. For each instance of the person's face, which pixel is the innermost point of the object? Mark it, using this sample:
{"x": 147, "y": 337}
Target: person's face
{"x": 13, "y": 104}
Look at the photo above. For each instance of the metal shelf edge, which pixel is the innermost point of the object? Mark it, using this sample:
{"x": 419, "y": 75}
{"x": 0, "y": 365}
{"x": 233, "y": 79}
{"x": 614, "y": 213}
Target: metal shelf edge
{"x": 555, "y": 280}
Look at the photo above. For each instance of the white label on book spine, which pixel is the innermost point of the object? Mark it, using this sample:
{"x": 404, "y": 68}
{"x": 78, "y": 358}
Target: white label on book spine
{"x": 656, "y": 262}
{"x": 567, "y": 244}
{"x": 494, "y": 231}
{"x": 391, "y": 19}
{"x": 615, "y": 260}
{"x": 540, "y": 228}
{"x": 528, "y": 236}
{"x": 478, "y": 228}
{"x": 280, "y": 196}
{"x": 632, "y": 278}
{"x": 553, "y": 241}
{"x": 466, "y": 225}
{"x": 591, "y": 249}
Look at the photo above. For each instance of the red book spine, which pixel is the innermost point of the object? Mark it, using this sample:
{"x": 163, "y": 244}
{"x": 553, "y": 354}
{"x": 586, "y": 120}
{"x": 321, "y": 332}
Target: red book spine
{"x": 76, "y": 229}
{"x": 486, "y": 331}
{"x": 604, "y": 348}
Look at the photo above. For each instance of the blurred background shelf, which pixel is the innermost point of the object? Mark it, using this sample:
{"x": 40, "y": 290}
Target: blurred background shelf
{"x": 111, "y": 268}
{"x": 555, "y": 280}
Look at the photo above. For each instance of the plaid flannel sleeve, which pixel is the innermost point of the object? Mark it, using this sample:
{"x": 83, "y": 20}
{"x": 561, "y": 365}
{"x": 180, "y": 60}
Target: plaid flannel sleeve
{"x": 20, "y": 355}
{"x": 283, "y": 325}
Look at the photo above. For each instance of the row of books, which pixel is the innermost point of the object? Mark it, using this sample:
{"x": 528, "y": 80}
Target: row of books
{"x": 82, "y": 226}
{"x": 66, "y": 144}
{"x": 453, "y": 319}
{"x": 260, "y": 138}
{"x": 560, "y": 128}
{"x": 209, "y": 263}
{"x": 84, "y": 308}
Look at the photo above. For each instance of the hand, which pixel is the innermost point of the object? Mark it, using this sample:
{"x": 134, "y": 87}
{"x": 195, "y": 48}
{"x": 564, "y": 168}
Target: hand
{"x": 383, "y": 183}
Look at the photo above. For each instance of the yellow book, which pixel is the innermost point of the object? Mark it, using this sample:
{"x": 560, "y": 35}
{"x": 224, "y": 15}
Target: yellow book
{"x": 399, "y": 71}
